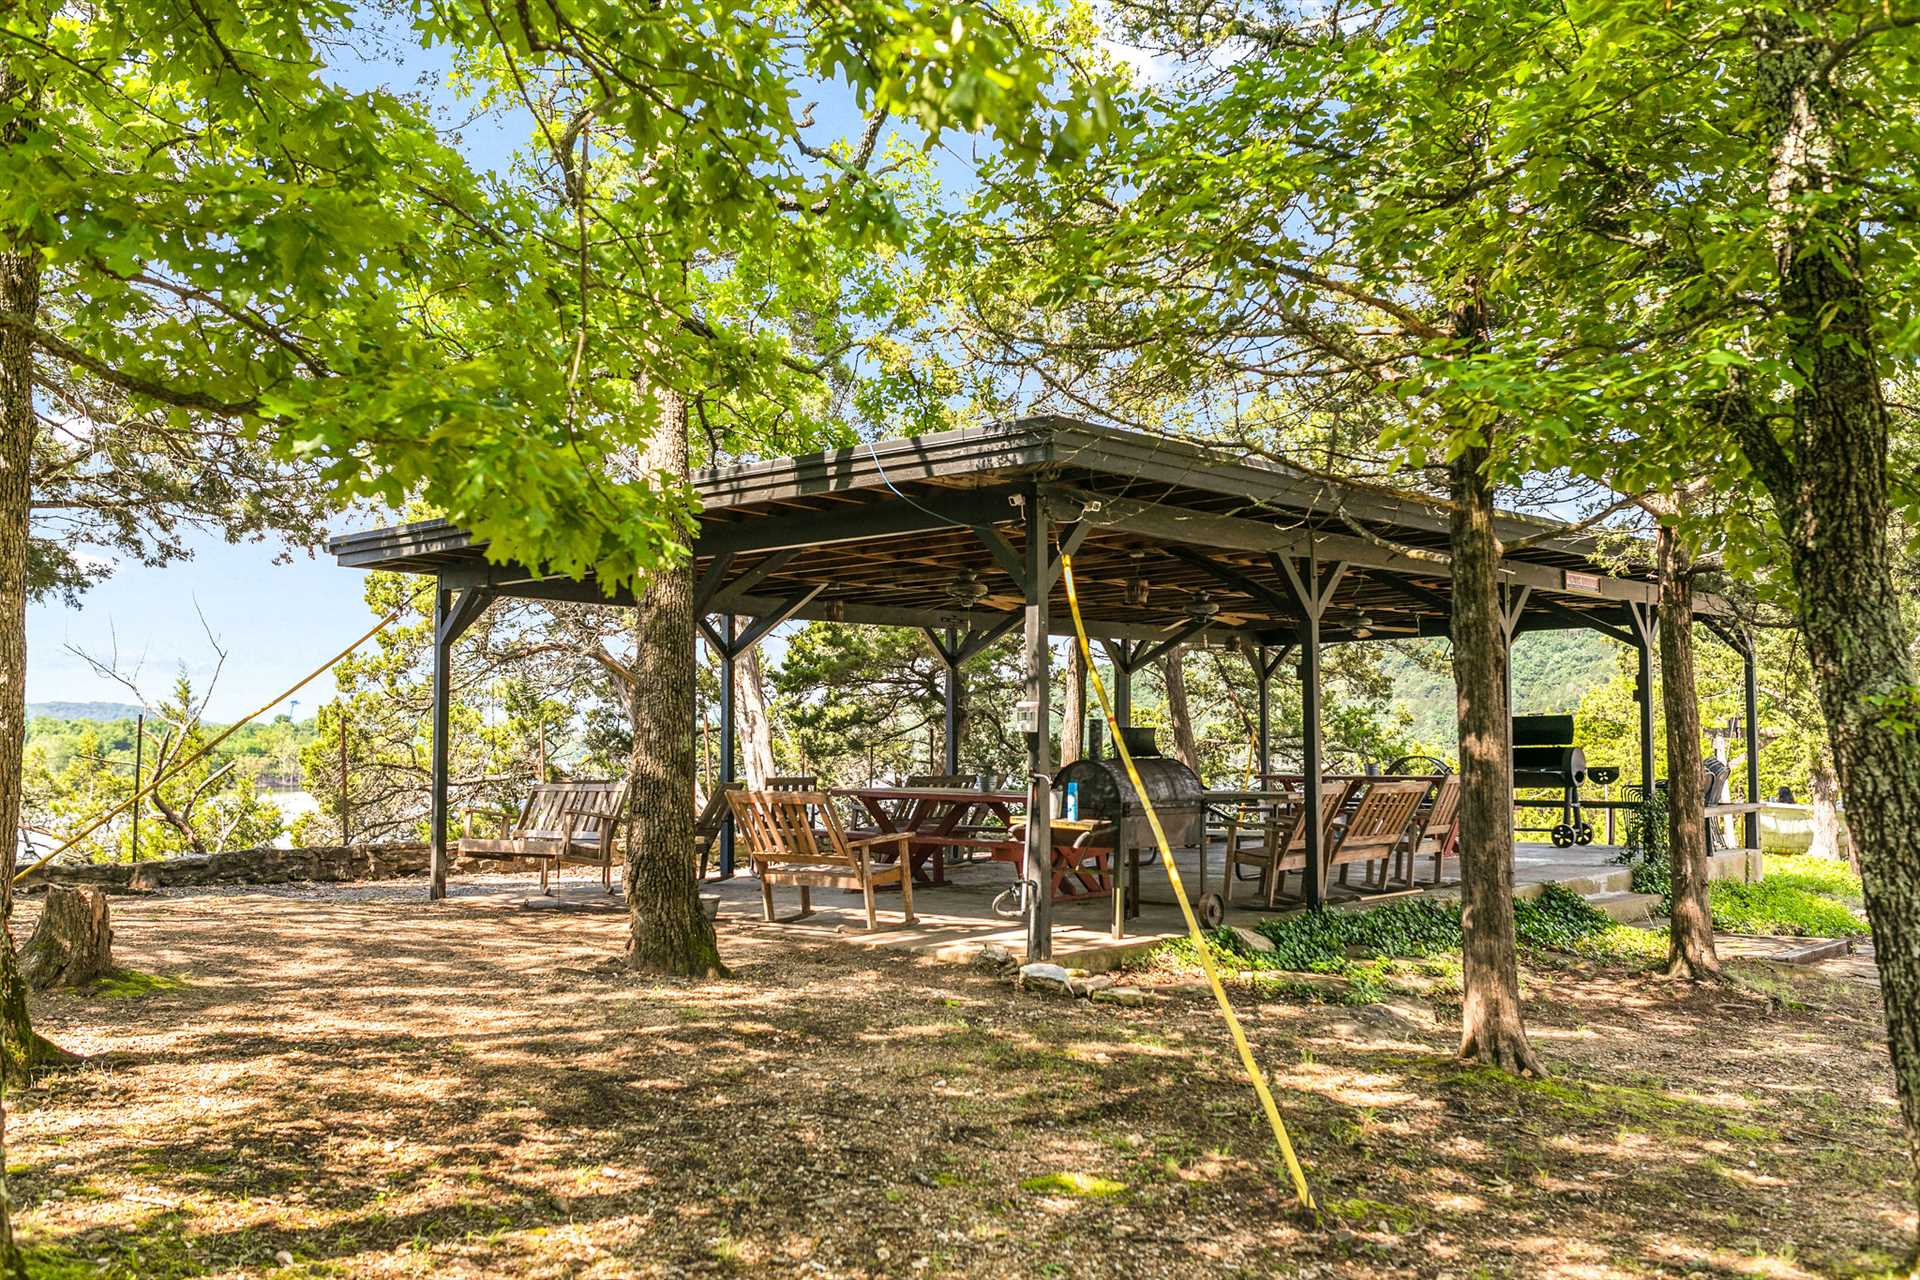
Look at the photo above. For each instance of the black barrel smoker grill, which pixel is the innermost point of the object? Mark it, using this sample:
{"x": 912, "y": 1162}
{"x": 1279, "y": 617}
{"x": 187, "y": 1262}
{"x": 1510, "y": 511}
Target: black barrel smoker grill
{"x": 1101, "y": 793}
{"x": 1544, "y": 756}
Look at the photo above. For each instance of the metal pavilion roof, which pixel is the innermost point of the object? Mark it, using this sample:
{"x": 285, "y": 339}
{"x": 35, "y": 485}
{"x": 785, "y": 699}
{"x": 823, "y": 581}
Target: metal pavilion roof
{"x": 928, "y": 531}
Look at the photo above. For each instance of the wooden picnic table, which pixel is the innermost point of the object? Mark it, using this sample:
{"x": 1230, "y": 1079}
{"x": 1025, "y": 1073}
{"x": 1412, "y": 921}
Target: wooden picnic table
{"x": 938, "y": 818}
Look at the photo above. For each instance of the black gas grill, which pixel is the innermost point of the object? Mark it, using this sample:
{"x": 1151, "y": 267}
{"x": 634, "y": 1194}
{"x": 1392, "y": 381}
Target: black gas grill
{"x": 1544, "y": 756}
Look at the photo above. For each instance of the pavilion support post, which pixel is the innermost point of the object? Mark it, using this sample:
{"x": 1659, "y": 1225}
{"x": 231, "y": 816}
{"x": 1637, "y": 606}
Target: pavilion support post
{"x": 1752, "y": 670}
{"x": 453, "y": 613}
{"x": 729, "y": 655}
{"x": 1513, "y": 604}
{"x": 1263, "y": 727}
{"x": 1314, "y": 878}
{"x": 442, "y": 703}
{"x": 1313, "y": 591}
{"x": 1643, "y": 694}
{"x": 1039, "y": 849}
{"x": 1120, "y": 658}
{"x": 949, "y": 655}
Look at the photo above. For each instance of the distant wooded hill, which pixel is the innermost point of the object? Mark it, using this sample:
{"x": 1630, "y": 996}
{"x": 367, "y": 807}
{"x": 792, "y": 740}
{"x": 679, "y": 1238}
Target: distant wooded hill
{"x": 83, "y": 710}
{"x": 1551, "y": 670}
{"x": 91, "y": 733}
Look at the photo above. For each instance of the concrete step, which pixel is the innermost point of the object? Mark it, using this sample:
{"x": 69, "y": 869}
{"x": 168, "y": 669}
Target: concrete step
{"x": 1626, "y": 906}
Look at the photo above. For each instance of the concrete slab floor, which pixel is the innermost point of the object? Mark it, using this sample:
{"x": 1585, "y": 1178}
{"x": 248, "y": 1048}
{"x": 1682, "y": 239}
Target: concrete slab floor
{"x": 958, "y": 919}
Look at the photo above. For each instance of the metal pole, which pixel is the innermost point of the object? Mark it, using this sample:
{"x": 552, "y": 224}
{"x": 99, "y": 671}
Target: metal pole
{"x": 1123, "y": 692}
{"x": 726, "y": 741}
{"x": 1264, "y": 736}
{"x": 345, "y": 834}
{"x": 1753, "y": 743}
{"x": 1645, "y": 696}
{"x": 139, "y": 745}
{"x": 1314, "y": 877}
{"x": 442, "y": 697}
{"x": 1039, "y": 649}
{"x": 952, "y": 740}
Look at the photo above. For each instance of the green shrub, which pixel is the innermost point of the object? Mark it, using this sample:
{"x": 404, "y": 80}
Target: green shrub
{"x": 1646, "y": 854}
{"x": 1781, "y": 905}
{"x": 1417, "y": 929}
{"x": 1558, "y": 920}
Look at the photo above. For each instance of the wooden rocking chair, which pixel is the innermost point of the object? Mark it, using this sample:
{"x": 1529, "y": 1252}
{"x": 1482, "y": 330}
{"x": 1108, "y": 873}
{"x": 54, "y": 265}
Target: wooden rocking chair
{"x": 786, "y": 849}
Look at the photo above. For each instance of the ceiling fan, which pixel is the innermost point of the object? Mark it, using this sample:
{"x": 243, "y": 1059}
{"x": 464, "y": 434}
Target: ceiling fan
{"x": 967, "y": 590}
{"x": 1365, "y": 628}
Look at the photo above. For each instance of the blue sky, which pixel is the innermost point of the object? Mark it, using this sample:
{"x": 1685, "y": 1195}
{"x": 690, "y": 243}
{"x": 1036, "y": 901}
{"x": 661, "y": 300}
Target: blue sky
{"x": 277, "y": 622}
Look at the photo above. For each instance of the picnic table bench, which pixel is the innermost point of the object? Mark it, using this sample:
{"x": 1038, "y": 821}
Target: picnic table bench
{"x": 938, "y": 818}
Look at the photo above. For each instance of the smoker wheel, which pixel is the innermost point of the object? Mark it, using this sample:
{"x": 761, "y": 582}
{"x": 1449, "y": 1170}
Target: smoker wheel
{"x": 1211, "y": 909}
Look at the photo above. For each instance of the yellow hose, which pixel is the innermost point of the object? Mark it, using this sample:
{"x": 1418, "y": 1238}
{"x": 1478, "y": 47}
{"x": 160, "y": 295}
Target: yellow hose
{"x": 1200, "y": 944}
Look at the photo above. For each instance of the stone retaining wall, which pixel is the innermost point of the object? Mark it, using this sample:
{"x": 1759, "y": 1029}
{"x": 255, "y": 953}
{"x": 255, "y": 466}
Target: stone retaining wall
{"x": 259, "y": 866}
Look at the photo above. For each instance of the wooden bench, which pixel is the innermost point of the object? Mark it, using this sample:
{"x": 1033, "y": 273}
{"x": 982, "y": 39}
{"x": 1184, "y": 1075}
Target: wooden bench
{"x": 785, "y": 847}
{"x": 560, "y": 822}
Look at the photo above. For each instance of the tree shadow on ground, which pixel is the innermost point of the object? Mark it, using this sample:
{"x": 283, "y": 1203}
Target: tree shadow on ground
{"x": 376, "y": 1089}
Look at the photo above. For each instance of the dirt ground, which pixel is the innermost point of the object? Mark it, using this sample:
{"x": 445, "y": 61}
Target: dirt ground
{"x": 344, "y": 1085}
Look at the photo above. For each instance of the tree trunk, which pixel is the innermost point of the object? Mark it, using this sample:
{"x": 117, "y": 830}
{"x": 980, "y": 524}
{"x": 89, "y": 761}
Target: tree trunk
{"x": 1690, "y": 952}
{"x": 13, "y": 1075}
{"x": 1823, "y": 796}
{"x": 19, "y": 295}
{"x": 1173, "y": 674}
{"x": 756, "y": 723}
{"x": 671, "y": 934}
{"x": 1491, "y": 1027}
{"x": 1829, "y": 486}
{"x": 73, "y": 943}
{"x": 1073, "y": 724}
{"x": 22, "y": 1049}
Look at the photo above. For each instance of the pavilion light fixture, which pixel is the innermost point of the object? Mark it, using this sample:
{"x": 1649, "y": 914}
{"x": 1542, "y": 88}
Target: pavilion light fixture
{"x": 1136, "y": 593}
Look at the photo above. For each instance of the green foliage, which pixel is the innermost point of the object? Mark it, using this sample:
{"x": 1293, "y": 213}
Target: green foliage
{"x": 75, "y": 771}
{"x": 273, "y": 745}
{"x": 132, "y": 984}
{"x": 519, "y": 694}
{"x": 1827, "y": 877}
{"x": 1074, "y": 1183}
{"x": 247, "y": 246}
{"x": 854, "y": 704}
{"x": 1346, "y": 942}
{"x": 1789, "y": 905}
{"x": 1648, "y": 852}
{"x": 1552, "y": 671}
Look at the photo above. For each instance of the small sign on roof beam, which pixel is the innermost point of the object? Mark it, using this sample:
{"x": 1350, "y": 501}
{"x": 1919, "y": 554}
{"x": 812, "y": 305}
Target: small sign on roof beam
{"x": 1584, "y": 583}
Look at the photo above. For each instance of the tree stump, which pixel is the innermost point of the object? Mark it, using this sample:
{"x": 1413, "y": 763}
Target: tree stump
{"x": 73, "y": 943}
